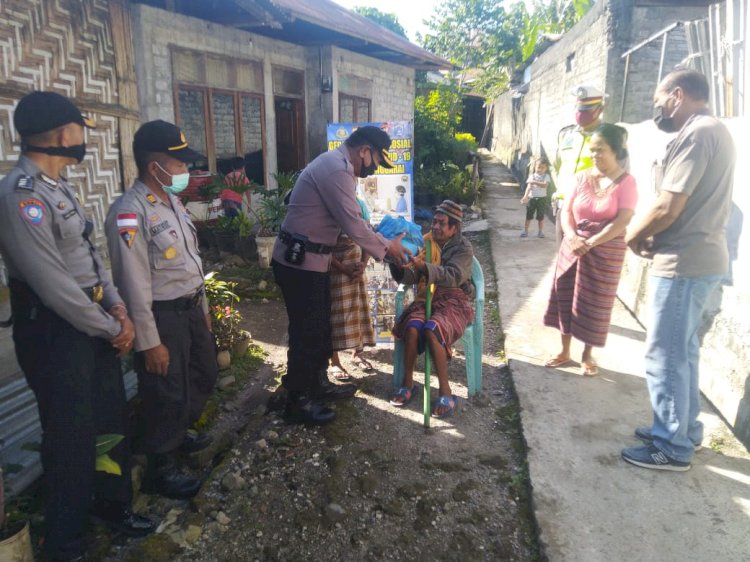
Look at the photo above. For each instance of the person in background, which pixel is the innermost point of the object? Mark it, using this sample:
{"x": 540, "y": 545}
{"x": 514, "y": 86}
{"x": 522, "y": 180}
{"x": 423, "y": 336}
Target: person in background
{"x": 573, "y": 154}
{"x": 322, "y": 204}
{"x": 231, "y": 199}
{"x": 70, "y": 326}
{"x": 535, "y": 197}
{"x": 591, "y": 256}
{"x": 351, "y": 325}
{"x": 153, "y": 246}
{"x": 684, "y": 234}
{"x": 450, "y": 271}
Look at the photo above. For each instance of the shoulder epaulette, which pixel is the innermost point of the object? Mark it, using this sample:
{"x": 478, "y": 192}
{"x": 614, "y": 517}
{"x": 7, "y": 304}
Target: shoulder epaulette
{"x": 25, "y": 182}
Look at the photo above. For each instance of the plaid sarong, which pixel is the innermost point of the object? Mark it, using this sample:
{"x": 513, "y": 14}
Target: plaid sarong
{"x": 351, "y": 327}
{"x": 451, "y": 311}
{"x": 584, "y": 290}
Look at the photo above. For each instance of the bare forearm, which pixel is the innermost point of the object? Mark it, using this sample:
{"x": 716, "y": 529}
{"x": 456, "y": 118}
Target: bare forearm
{"x": 657, "y": 220}
{"x": 612, "y": 230}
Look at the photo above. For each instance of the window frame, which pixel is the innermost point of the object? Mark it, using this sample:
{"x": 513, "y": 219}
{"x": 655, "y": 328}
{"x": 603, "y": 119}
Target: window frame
{"x": 208, "y": 116}
{"x": 355, "y": 99}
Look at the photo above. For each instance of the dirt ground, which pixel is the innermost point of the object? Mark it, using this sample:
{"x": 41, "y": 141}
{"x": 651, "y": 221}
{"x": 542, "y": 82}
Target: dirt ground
{"x": 375, "y": 484}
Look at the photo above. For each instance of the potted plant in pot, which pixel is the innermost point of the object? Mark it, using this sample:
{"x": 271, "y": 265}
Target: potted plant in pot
{"x": 225, "y": 319}
{"x": 270, "y": 214}
{"x": 15, "y": 540}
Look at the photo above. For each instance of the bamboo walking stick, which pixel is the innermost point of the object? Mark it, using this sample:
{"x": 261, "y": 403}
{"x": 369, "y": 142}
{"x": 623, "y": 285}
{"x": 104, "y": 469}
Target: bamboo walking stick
{"x": 427, "y": 366}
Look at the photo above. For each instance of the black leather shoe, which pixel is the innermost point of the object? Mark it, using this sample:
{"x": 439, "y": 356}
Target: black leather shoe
{"x": 165, "y": 479}
{"x": 326, "y": 390}
{"x": 122, "y": 519}
{"x": 302, "y": 409}
{"x": 195, "y": 442}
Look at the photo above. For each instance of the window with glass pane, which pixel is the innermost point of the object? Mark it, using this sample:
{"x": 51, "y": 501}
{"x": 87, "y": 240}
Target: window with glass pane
{"x": 252, "y": 137}
{"x": 346, "y": 110}
{"x": 225, "y": 139}
{"x": 192, "y": 118}
{"x": 362, "y": 110}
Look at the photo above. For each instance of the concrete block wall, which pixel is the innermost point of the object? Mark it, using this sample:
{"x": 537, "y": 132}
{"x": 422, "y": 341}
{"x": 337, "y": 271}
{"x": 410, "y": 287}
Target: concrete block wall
{"x": 389, "y": 86}
{"x": 155, "y": 31}
{"x": 590, "y": 53}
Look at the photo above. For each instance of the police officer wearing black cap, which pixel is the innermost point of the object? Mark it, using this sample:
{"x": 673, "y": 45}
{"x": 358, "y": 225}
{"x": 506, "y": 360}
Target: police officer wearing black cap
{"x": 69, "y": 326}
{"x": 322, "y": 205}
{"x": 153, "y": 246}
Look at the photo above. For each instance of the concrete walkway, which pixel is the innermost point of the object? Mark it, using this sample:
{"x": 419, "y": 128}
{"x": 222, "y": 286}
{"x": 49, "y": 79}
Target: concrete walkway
{"x": 589, "y": 503}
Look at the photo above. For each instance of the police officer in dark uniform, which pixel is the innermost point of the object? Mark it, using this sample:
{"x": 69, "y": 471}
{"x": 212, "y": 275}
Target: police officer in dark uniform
{"x": 69, "y": 326}
{"x": 153, "y": 245}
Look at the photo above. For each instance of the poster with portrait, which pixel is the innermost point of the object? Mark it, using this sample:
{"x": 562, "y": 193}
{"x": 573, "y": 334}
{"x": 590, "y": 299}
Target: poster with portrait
{"x": 387, "y": 192}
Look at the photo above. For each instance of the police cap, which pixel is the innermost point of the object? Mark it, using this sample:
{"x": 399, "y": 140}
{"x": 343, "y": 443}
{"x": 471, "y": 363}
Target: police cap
{"x": 39, "y": 112}
{"x": 164, "y": 137}
{"x": 375, "y": 137}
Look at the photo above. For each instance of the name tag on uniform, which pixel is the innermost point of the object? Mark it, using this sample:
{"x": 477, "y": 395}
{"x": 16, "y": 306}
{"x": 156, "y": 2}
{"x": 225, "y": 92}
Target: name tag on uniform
{"x": 161, "y": 227}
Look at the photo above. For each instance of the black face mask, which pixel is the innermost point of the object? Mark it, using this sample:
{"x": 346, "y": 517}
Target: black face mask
{"x": 368, "y": 170}
{"x": 665, "y": 122}
{"x": 77, "y": 151}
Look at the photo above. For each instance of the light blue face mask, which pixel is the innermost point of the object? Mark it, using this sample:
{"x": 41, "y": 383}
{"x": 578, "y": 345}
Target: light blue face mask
{"x": 179, "y": 181}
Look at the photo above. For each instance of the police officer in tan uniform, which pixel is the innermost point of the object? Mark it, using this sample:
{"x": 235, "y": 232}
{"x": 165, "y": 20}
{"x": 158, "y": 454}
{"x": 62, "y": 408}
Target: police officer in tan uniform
{"x": 153, "y": 245}
{"x": 69, "y": 326}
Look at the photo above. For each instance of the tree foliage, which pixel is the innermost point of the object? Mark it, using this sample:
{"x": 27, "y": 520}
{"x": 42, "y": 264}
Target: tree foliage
{"x": 492, "y": 40}
{"x": 383, "y": 19}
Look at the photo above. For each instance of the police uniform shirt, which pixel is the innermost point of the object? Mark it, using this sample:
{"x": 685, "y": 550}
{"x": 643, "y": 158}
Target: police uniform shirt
{"x": 153, "y": 246}
{"x": 42, "y": 240}
{"x": 323, "y": 204}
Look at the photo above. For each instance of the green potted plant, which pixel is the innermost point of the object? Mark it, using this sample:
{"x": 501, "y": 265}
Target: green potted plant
{"x": 15, "y": 540}
{"x": 270, "y": 214}
{"x": 225, "y": 319}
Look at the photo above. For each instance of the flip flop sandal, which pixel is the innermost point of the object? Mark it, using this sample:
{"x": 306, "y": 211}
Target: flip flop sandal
{"x": 339, "y": 374}
{"x": 406, "y": 394}
{"x": 363, "y": 364}
{"x": 589, "y": 370}
{"x": 445, "y": 401}
{"x": 556, "y": 363}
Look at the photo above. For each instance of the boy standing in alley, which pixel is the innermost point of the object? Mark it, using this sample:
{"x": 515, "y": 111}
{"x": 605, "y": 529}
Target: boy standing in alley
{"x": 535, "y": 197}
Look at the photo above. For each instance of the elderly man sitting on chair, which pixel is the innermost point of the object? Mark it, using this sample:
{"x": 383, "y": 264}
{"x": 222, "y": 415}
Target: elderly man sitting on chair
{"x": 449, "y": 269}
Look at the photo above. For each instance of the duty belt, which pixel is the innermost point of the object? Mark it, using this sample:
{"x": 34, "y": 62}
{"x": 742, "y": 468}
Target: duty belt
{"x": 286, "y": 238}
{"x": 182, "y": 303}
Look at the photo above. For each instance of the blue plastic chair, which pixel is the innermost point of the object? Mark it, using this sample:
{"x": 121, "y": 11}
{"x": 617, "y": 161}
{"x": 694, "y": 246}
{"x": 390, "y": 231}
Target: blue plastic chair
{"x": 473, "y": 338}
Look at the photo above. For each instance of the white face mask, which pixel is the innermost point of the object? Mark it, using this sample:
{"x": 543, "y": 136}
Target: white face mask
{"x": 178, "y": 184}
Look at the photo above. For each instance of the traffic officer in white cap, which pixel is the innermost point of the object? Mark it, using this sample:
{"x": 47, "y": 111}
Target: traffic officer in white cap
{"x": 156, "y": 264}
{"x": 69, "y": 326}
{"x": 573, "y": 153}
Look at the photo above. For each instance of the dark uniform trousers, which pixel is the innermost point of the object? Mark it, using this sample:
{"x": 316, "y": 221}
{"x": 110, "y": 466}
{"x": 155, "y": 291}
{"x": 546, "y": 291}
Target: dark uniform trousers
{"x": 172, "y": 403}
{"x": 307, "y": 296}
{"x": 77, "y": 380}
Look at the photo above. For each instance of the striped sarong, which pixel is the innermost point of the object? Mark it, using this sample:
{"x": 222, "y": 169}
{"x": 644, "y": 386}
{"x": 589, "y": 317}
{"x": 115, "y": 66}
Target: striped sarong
{"x": 351, "y": 327}
{"x": 451, "y": 311}
{"x": 584, "y": 290}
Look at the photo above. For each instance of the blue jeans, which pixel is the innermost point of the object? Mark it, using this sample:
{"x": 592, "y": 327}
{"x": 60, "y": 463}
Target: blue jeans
{"x": 672, "y": 350}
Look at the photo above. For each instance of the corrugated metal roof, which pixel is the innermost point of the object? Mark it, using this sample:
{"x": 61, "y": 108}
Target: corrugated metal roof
{"x": 311, "y": 23}
{"x": 367, "y": 35}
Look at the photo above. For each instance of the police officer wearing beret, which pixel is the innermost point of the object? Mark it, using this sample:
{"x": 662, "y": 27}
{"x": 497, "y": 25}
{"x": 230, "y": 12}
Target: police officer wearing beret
{"x": 153, "y": 246}
{"x": 69, "y": 326}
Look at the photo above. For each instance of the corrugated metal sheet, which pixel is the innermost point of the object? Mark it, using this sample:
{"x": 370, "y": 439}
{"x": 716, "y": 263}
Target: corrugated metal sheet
{"x": 20, "y": 428}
